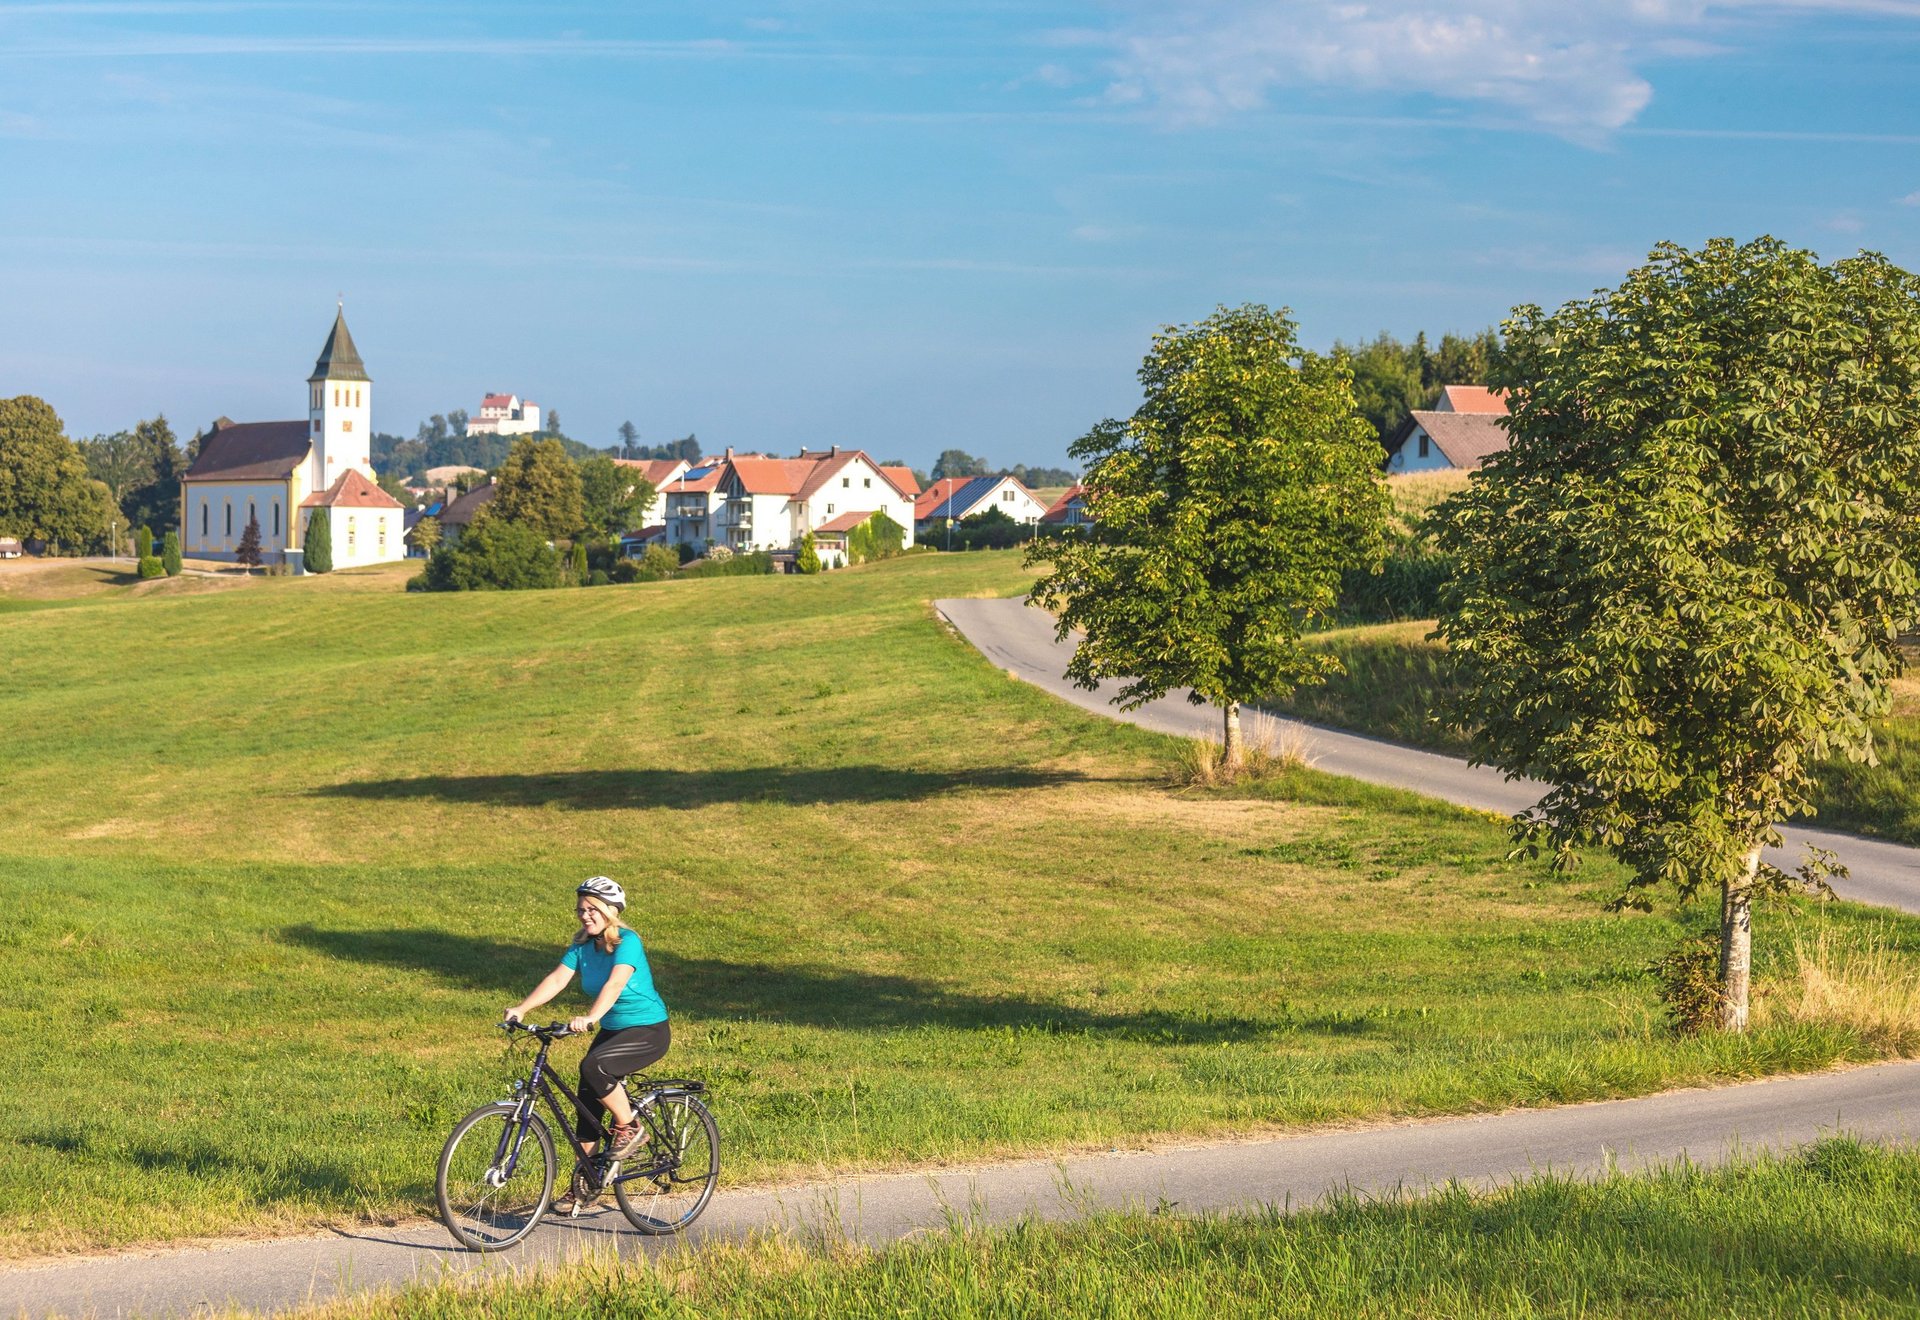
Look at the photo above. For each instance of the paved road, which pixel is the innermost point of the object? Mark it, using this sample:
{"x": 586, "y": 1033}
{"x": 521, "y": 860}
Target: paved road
{"x": 1877, "y": 1103}
{"x": 1021, "y": 641}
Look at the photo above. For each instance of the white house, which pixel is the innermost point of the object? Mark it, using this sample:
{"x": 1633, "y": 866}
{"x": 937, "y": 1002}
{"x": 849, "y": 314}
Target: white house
{"x": 1462, "y": 431}
{"x": 963, "y": 497}
{"x": 771, "y": 503}
{"x": 659, "y": 473}
{"x": 283, "y": 474}
{"x": 690, "y": 503}
{"x": 505, "y": 414}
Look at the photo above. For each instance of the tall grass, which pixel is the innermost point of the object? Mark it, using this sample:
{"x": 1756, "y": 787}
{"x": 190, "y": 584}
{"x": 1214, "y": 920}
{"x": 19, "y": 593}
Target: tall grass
{"x": 1828, "y": 1231}
{"x": 1854, "y": 978}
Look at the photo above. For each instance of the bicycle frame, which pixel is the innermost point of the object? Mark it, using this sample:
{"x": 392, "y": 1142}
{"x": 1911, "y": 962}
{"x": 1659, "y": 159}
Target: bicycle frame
{"x": 540, "y": 1084}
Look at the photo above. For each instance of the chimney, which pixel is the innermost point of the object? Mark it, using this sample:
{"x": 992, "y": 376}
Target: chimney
{"x": 729, "y": 451}
{"x": 834, "y": 452}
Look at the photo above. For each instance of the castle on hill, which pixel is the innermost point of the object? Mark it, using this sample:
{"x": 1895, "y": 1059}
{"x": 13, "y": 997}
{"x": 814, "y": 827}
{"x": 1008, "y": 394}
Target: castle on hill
{"x": 286, "y": 473}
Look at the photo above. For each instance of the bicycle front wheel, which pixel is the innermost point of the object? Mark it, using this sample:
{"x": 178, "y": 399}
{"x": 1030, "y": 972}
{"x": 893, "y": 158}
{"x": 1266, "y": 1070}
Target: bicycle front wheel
{"x": 684, "y": 1155}
{"x": 490, "y": 1196}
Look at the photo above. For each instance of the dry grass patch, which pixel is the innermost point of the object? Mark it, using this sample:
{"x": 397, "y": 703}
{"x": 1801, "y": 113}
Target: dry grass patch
{"x": 1856, "y": 979}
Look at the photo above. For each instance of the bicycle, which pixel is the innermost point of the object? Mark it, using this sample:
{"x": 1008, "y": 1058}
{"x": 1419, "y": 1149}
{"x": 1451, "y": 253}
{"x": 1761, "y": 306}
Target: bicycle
{"x": 496, "y": 1173}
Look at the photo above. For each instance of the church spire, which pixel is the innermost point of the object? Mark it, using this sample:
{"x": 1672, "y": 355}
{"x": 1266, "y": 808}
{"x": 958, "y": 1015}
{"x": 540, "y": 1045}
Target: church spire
{"x": 339, "y": 359}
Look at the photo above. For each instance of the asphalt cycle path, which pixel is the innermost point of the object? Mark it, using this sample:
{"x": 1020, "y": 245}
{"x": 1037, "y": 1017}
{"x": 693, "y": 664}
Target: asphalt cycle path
{"x": 1877, "y": 1103}
{"x": 1021, "y": 641}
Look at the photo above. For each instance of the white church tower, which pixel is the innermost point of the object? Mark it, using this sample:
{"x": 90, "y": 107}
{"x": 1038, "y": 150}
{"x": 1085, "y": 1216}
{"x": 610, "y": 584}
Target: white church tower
{"x": 340, "y": 406}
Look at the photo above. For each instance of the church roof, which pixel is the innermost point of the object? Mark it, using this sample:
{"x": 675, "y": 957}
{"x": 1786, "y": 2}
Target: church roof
{"x": 339, "y": 359}
{"x": 251, "y": 451}
{"x": 352, "y": 491}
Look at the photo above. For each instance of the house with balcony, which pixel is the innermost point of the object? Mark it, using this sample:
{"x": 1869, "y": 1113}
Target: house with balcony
{"x": 658, "y": 473}
{"x": 690, "y": 504}
{"x": 1070, "y": 510}
{"x": 771, "y": 503}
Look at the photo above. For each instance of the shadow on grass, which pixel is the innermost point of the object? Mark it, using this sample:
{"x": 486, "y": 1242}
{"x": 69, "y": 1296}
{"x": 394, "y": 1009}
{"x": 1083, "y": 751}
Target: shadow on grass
{"x": 597, "y": 790}
{"x": 710, "y": 988}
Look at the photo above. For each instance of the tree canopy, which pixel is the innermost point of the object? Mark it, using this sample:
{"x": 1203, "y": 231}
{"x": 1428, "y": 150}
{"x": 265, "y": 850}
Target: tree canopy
{"x": 612, "y": 496}
{"x": 539, "y": 487}
{"x": 1682, "y": 584}
{"x": 1226, "y": 509}
{"x": 45, "y": 492}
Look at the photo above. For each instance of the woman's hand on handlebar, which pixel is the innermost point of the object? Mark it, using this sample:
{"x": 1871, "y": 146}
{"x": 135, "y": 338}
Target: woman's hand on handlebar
{"x": 511, "y": 1015}
{"x": 580, "y": 1024}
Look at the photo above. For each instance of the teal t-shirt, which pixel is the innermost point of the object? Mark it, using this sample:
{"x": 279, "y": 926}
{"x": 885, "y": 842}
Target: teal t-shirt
{"x": 639, "y": 1004}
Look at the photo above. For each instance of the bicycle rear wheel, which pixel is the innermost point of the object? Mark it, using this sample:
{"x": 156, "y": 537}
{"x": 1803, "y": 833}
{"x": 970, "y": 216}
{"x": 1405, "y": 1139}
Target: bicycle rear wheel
{"x": 484, "y": 1208}
{"x": 685, "y": 1148}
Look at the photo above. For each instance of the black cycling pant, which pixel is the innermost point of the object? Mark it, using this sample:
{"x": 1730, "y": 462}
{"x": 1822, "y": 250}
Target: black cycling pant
{"x": 613, "y": 1056}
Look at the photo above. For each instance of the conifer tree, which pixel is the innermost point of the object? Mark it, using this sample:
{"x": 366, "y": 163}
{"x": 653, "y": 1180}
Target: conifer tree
{"x": 170, "y": 553}
{"x": 319, "y": 543}
{"x": 808, "y": 560}
{"x": 248, "y": 554}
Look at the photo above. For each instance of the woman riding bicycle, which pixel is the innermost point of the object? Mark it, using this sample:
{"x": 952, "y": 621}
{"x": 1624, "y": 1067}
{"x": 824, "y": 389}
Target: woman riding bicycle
{"x": 632, "y": 1019}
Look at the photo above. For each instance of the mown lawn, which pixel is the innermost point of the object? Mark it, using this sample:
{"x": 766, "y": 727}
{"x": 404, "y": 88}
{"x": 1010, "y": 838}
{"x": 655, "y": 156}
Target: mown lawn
{"x": 1825, "y": 1232}
{"x": 277, "y": 855}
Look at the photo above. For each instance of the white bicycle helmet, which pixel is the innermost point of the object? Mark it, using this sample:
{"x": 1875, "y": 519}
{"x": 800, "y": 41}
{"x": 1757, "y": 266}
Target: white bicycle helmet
{"x": 606, "y": 891}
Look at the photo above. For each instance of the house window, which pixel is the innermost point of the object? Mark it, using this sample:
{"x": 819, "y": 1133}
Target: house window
{"x": 867, "y": 482}
{"x": 349, "y": 533}
{"x": 847, "y": 482}
{"x": 347, "y": 425}
{"x": 1423, "y": 446}
{"x": 356, "y": 398}
{"x": 1007, "y": 495}
{"x": 829, "y": 508}
{"x": 383, "y": 534}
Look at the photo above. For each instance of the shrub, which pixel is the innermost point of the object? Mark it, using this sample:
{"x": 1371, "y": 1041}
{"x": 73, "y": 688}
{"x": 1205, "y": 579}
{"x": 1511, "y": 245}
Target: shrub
{"x": 151, "y": 567}
{"x": 719, "y": 552}
{"x": 625, "y": 571}
{"x": 418, "y": 582}
{"x": 170, "y": 554}
{"x": 319, "y": 543}
{"x": 731, "y": 566}
{"x": 808, "y": 560}
{"x": 1688, "y": 977}
{"x": 687, "y": 552}
{"x": 599, "y": 578}
{"x": 495, "y": 555}
{"x": 578, "y": 561}
{"x": 143, "y": 542}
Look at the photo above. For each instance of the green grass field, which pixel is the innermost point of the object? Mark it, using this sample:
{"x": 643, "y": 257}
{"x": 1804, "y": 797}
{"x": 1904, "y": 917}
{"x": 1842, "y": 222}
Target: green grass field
{"x": 1826, "y": 1232}
{"x": 278, "y": 852}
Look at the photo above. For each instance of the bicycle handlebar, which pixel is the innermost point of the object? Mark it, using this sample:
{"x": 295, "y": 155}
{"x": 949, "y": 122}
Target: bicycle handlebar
{"x": 552, "y": 1031}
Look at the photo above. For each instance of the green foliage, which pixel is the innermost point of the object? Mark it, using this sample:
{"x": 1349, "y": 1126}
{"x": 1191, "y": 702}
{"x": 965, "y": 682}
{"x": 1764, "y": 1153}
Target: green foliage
{"x": 151, "y": 567}
{"x": 808, "y": 559}
{"x": 1688, "y": 977}
{"x": 577, "y": 564}
{"x": 611, "y": 495}
{"x": 143, "y": 542}
{"x": 1228, "y": 508}
{"x": 539, "y": 487}
{"x": 45, "y": 492}
{"x": 426, "y": 535}
{"x": 1391, "y": 379}
{"x": 141, "y": 469}
{"x": 958, "y": 463}
{"x": 1718, "y": 462}
{"x": 247, "y": 553}
{"x": 879, "y": 537}
{"x": 599, "y": 578}
{"x": 317, "y": 544}
{"x": 729, "y": 565}
{"x": 495, "y": 554}
{"x": 993, "y": 529}
{"x": 170, "y": 553}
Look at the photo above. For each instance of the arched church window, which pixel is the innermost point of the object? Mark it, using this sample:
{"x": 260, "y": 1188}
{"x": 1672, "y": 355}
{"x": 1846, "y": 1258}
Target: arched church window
{"x": 276, "y": 517}
{"x": 203, "y": 519}
{"x": 229, "y": 520}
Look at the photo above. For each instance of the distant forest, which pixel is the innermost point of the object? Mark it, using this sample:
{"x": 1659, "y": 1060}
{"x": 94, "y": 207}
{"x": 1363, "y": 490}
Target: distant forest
{"x": 1391, "y": 379}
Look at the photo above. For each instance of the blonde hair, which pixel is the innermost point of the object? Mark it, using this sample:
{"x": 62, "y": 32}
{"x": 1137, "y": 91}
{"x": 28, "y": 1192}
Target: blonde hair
{"x": 609, "y": 939}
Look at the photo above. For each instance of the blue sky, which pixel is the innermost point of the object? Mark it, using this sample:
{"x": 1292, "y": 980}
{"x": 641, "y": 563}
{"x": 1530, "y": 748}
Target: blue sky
{"x": 903, "y": 227}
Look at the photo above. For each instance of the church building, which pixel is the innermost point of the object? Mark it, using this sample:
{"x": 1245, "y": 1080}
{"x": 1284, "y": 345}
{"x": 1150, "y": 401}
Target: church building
{"x": 287, "y": 473}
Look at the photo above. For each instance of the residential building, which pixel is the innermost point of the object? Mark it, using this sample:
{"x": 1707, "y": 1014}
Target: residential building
{"x": 458, "y": 515}
{"x": 771, "y": 503}
{"x": 691, "y": 501}
{"x": 963, "y": 497}
{"x": 10, "y": 547}
{"x": 1070, "y": 510}
{"x": 505, "y": 414}
{"x": 1461, "y": 431}
{"x": 659, "y": 473}
{"x": 283, "y": 474}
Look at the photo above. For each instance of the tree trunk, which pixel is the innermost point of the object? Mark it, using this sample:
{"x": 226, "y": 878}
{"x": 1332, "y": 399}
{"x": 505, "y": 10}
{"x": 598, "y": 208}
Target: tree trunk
{"x": 1736, "y": 945}
{"x": 1234, "y": 755}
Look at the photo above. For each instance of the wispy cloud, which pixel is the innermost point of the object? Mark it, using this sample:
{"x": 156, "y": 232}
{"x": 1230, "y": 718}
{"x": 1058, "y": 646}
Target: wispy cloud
{"x": 1569, "y": 66}
{"x": 162, "y": 45}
